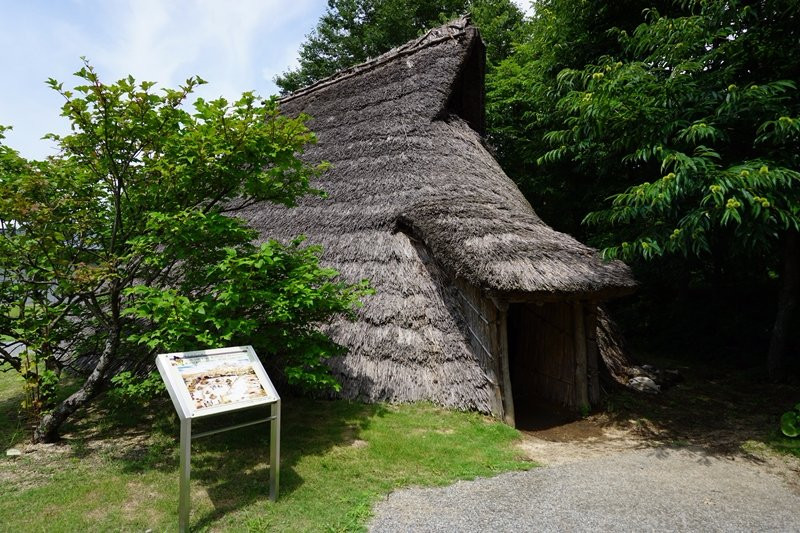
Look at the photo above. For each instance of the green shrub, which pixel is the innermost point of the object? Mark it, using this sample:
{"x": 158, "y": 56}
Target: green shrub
{"x": 790, "y": 422}
{"x": 128, "y": 388}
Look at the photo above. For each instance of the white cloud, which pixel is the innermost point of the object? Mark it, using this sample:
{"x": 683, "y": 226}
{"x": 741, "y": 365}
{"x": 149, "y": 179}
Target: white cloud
{"x": 227, "y": 43}
{"x": 237, "y": 45}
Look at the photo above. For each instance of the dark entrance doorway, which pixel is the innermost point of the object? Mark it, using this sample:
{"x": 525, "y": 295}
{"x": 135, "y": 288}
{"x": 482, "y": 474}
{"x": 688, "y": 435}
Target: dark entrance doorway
{"x": 541, "y": 360}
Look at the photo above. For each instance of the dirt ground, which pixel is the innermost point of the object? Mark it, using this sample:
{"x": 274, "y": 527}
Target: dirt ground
{"x": 726, "y": 414}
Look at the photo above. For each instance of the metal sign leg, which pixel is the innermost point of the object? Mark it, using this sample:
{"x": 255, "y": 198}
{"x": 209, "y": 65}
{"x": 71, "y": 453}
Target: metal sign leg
{"x": 274, "y": 450}
{"x": 184, "y": 494}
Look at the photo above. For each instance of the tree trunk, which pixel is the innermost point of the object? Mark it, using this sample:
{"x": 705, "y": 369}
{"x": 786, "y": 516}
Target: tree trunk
{"x": 787, "y": 303}
{"x": 47, "y": 430}
{"x": 614, "y": 354}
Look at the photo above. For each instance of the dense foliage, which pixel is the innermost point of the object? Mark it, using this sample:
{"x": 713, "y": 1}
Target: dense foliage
{"x": 686, "y": 114}
{"x": 353, "y": 31}
{"x": 712, "y": 137}
{"x": 124, "y": 244}
{"x": 523, "y": 96}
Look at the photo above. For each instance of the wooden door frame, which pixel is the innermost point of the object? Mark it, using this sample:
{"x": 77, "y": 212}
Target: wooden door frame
{"x": 503, "y": 368}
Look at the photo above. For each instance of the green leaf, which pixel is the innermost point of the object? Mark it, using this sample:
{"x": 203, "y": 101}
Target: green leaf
{"x": 790, "y": 423}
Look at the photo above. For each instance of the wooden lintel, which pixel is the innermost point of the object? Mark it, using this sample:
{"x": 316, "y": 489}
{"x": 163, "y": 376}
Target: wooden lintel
{"x": 557, "y": 297}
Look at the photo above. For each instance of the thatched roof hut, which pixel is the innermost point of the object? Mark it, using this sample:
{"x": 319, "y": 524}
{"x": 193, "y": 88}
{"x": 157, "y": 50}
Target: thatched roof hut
{"x": 478, "y": 303}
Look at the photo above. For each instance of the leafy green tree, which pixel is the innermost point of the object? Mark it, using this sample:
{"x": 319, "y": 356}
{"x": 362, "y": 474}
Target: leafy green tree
{"x": 353, "y": 31}
{"x": 124, "y": 244}
{"x": 522, "y": 103}
{"x": 502, "y": 25}
{"x": 701, "y": 112}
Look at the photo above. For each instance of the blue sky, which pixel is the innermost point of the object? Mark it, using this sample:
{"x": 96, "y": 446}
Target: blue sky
{"x": 236, "y": 45}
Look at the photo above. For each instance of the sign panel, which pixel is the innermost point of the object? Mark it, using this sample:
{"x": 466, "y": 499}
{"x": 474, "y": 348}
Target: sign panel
{"x": 209, "y": 382}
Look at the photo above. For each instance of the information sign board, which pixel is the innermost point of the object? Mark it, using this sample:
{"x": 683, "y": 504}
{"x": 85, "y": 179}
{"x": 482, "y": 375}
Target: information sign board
{"x": 209, "y": 382}
{"x": 212, "y": 382}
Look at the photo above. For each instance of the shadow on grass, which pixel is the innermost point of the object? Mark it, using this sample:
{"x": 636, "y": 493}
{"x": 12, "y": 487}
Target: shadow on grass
{"x": 14, "y": 423}
{"x": 232, "y": 467}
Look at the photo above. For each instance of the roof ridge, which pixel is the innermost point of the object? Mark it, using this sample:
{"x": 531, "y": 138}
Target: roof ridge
{"x": 454, "y": 28}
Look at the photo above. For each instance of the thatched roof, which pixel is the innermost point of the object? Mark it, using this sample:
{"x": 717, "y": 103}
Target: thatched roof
{"x": 414, "y": 201}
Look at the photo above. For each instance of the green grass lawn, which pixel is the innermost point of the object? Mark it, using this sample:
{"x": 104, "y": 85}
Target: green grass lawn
{"x": 120, "y": 473}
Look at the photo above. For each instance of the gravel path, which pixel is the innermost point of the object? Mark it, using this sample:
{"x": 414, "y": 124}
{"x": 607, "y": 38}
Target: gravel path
{"x": 655, "y": 489}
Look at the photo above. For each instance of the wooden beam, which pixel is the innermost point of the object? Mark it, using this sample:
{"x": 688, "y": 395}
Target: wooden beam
{"x": 581, "y": 375}
{"x": 498, "y": 409}
{"x": 497, "y": 369}
{"x": 505, "y": 371}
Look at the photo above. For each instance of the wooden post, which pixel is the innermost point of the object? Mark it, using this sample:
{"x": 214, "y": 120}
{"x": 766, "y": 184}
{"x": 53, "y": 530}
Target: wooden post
{"x": 581, "y": 378}
{"x": 592, "y": 353}
{"x": 493, "y": 368}
{"x": 505, "y": 371}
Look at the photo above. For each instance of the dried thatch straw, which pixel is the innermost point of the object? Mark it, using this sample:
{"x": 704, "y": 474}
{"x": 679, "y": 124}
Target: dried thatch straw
{"x": 415, "y": 201}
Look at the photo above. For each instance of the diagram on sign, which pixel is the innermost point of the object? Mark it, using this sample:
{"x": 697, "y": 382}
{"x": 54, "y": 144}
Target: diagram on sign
{"x": 211, "y": 384}
{"x": 212, "y": 380}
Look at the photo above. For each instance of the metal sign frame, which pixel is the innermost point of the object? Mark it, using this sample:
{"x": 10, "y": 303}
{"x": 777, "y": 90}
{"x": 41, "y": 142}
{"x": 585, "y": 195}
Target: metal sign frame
{"x": 239, "y": 362}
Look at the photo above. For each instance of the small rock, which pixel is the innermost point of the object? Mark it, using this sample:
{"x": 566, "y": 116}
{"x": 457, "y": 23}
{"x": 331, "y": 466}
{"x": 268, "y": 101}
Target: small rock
{"x": 13, "y": 452}
{"x": 644, "y": 371}
{"x": 644, "y": 384}
{"x": 663, "y": 379}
